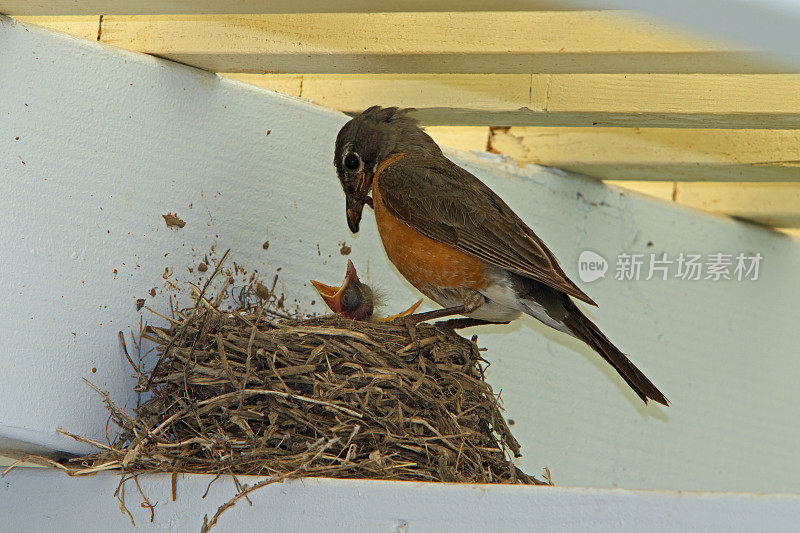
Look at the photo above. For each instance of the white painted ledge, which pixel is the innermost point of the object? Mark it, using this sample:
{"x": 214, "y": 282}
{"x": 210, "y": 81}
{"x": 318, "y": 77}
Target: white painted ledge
{"x": 110, "y": 140}
{"x": 44, "y": 500}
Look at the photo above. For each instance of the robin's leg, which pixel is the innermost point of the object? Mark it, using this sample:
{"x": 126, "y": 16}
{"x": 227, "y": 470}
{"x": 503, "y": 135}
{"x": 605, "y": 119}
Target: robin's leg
{"x": 411, "y": 321}
{"x": 416, "y": 318}
{"x": 472, "y": 303}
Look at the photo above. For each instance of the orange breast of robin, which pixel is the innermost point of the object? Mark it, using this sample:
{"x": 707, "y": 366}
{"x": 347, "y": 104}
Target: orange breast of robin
{"x": 424, "y": 262}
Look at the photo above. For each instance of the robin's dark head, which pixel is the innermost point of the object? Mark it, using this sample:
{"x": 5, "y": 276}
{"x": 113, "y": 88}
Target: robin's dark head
{"x": 367, "y": 140}
{"x": 353, "y": 299}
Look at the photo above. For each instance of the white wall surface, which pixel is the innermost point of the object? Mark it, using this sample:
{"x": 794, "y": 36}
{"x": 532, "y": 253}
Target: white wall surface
{"x": 112, "y": 140}
{"x": 33, "y": 499}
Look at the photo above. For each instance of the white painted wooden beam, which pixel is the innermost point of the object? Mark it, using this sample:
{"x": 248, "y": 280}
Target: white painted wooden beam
{"x": 110, "y": 140}
{"x": 481, "y": 42}
{"x": 37, "y": 500}
{"x": 658, "y": 154}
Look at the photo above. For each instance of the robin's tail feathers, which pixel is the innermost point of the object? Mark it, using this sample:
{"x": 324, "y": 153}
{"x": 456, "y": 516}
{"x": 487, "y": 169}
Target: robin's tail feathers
{"x": 585, "y": 330}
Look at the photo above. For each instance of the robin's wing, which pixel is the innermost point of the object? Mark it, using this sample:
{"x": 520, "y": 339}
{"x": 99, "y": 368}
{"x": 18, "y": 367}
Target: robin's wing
{"x": 448, "y": 204}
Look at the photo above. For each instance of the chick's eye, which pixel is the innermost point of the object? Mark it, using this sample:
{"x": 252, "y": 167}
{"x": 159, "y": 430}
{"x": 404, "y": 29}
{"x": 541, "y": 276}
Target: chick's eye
{"x": 350, "y": 299}
{"x": 351, "y": 162}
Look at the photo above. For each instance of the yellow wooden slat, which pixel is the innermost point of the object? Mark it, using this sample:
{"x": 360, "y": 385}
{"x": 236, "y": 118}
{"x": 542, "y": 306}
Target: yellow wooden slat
{"x": 656, "y": 100}
{"x": 686, "y": 100}
{"x": 472, "y": 42}
{"x": 290, "y": 84}
{"x": 771, "y": 204}
{"x": 83, "y": 26}
{"x": 160, "y": 7}
{"x": 460, "y": 137}
{"x": 659, "y": 154}
{"x": 481, "y": 94}
{"x": 440, "y": 99}
{"x": 663, "y": 190}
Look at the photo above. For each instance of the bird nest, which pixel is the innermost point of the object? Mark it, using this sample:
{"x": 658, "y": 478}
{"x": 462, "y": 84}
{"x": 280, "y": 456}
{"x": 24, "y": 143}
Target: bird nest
{"x": 254, "y": 394}
{"x": 254, "y": 391}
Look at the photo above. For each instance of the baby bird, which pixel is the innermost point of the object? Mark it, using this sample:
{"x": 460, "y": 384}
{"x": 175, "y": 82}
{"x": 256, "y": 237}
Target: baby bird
{"x": 355, "y": 300}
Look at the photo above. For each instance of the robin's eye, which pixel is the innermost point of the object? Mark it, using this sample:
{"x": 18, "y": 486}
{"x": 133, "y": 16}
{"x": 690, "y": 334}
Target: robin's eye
{"x": 351, "y": 162}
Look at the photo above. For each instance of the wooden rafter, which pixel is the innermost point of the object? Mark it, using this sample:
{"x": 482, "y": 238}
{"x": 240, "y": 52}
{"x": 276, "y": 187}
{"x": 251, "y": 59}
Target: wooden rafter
{"x": 518, "y": 42}
{"x": 178, "y": 7}
{"x": 640, "y": 100}
{"x": 659, "y": 154}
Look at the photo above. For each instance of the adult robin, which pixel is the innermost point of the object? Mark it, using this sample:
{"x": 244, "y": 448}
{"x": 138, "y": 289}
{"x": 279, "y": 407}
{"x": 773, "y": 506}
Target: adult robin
{"x": 455, "y": 240}
{"x": 355, "y": 300}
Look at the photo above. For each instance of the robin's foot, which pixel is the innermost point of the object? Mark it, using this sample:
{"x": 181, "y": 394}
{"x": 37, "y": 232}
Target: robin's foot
{"x": 472, "y": 303}
{"x": 411, "y": 321}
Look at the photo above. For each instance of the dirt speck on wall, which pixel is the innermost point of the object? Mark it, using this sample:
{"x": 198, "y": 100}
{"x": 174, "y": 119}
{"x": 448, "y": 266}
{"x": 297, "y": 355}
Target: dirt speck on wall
{"x": 173, "y": 221}
{"x": 139, "y": 303}
{"x": 344, "y": 250}
{"x": 262, "y": 291}
{"x": 265, "y": 246}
